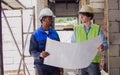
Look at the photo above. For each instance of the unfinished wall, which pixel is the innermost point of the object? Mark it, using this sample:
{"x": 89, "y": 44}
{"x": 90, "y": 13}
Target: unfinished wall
{"x": 66, "y": 10}
{"x": 40, "y": 4}
{"x": 13, "y": 46}
{"x": 114, "y": 36}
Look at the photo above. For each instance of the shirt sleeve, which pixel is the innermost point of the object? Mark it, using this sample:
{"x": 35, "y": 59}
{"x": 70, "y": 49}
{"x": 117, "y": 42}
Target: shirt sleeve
{"x": 73, "y": 38}
{"x": 33, "y": 48}
{"x": 104, "y": 42}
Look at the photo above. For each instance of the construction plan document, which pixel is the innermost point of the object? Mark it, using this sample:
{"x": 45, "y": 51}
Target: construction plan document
{"x": 71, "y": 55}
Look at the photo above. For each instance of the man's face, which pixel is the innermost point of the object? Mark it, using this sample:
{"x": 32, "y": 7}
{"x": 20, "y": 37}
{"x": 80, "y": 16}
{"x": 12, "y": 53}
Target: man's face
{"x": 84, "y": 18}
{"x": 49, "y": 20}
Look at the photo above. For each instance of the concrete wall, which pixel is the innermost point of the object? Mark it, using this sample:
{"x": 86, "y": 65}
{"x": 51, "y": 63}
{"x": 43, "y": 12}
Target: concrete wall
{"x": 40, "y": 4}
{"x": 114, "y": 36}
{"x": 66, "y": 10}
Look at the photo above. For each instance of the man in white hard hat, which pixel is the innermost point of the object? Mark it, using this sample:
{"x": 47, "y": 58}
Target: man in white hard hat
{"x": 38, "y": 43}
{"x": 88, "y": 30}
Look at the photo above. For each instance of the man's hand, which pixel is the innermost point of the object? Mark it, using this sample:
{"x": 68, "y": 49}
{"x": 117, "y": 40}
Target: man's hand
{"x": 61, "y": 71}
{"x": 44, "y": 54}
{"x": 101, "y": 47}
{"x": 103, "y": 55}
{"x": 102, "y": 64}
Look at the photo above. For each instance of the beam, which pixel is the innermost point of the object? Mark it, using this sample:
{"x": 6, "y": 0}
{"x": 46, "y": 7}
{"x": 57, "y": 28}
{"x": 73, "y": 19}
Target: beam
{"x": 1, "y": 50}
{"x": 83, "y": 2}
{"x": 21, "y": 4}
{"x": 5, "y": 3}
{"x": 10, "y": 5}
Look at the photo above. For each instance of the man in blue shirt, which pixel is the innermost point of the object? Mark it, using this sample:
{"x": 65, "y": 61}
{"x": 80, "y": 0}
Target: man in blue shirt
{"x": 38, "y": 43}
{"x": 86, "y": 31}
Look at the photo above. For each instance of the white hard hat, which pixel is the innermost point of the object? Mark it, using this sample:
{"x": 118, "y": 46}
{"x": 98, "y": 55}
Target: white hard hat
{"x": 46, "y": 12}
{"x": 86, "y": 8}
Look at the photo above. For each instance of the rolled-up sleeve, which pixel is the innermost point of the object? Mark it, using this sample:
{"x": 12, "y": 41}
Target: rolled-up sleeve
{"x": 33, "y": 48}
{"x": 104, "y": 42}
{"x": 73, "y": 38}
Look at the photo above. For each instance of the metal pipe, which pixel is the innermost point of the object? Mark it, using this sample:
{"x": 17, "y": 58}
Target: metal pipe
{"x": 11, "y": 33}
{"x": 7, "y": 4}
{"x": 1, "y": 49}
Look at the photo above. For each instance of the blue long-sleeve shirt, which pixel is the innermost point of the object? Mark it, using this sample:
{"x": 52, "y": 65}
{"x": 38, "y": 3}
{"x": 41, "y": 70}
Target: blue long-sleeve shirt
{"x": 38, "y": 44}
{"x": 104, "y": 42}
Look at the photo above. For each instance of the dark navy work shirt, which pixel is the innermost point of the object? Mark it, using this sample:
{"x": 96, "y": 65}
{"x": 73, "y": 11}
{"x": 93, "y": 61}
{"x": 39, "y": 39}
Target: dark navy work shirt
{"x": 37, "y": 45}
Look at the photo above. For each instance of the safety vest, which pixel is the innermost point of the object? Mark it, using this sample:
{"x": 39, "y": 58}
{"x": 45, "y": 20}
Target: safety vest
{"x": 81, "y": 36}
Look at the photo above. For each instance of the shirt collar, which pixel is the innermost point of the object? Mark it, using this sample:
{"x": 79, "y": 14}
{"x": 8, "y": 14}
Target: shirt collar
{"x": 42, "y": 30}
{"x": 89, "y": 26}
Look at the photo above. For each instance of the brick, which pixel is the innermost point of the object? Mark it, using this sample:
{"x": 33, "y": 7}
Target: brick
{"x": 13, "y": 72}
{"x": 29, "y": 60}
{"x": 114, "y": 38}
{"x": 30, "y": 67}
{"x": 98, "y": 1}
{"x": 67, "y": 12}
{"x": 8, "y": 60}
{"x": 99, "y": 21}
{"x": 114, "y": 62}
{"x": 114, "y": 71}
{"x": 98, "y": 15}
{"x": 97, "y": 5}
{"x": 16, "y": 58}
{"x": 114, "y": 27}
{"x": 113, "y": 15}
{"x": 114, "y": 50}
{"x": 11, "y": 67}
{"x": 119, "y": 4}
{"x": 11, "y": 54}
{"x": 113, "y": 4}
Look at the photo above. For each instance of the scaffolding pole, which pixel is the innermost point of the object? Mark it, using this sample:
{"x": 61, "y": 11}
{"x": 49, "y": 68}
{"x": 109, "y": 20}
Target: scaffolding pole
{"x": 1, "y": 49}
{"x": 83, "y": 2}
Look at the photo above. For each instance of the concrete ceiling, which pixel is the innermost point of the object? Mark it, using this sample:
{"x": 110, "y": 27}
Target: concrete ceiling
{"x": 16, "y": 4}
{"x": 66, "y": 1}
{"x": 12, "y": 4}
{"x": 69, "y": 7}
